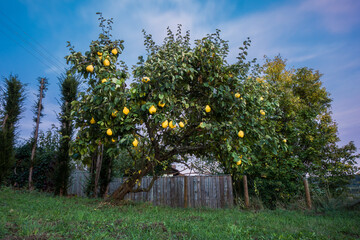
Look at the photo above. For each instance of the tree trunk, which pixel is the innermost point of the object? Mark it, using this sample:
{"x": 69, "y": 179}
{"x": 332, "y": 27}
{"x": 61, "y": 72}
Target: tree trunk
{"x": 98, "y": 169}
{"x": 31, "y": 185}
{"x": 4, "y": 122}
{"x": 108, "y": 179}
{"x": 246, "y": 192}
{"x": 128, "y": 186}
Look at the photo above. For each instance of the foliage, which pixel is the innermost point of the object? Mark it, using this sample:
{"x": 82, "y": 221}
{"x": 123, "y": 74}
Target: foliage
{"x": 12, "y": 105}
{"x": 81, "y": 218}
{"x": 184, "y": 101}
{"x": 46, "y": 154}
{"x": 338, "y": 168}
{"x": 304, "y": 119}
{"x": 69, "y": 86}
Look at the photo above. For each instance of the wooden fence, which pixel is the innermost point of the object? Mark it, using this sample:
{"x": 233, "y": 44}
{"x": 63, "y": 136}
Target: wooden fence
{"x": 180, "y": 191}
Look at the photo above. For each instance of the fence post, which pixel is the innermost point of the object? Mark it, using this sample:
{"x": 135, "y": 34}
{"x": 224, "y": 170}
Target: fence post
{"x": 307, "y": 193}
{"x": 246, "y": 192}
{"x": 185, "y": 191}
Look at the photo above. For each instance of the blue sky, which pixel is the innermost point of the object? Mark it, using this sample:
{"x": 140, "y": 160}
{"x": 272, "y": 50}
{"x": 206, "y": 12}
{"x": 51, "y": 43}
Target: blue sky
{"x": 320, "y": 34}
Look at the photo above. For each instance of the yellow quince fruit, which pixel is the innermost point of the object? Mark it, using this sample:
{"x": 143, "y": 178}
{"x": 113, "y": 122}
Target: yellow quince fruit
{"x": 90, "y": 68}
{"x": 171, "y": 125}
{"x": 152, "y": 109}
{"x": 261, "y": 98}
{"x": 238, "y": 162}
{"x": 237, "y": 95}
{"x": 284, "y": 140}
{"x": 109, "y": 132}
{"x": 145, "y": 79}
{"x": 165, "y": 124}
{"x": 106, "y": 63}
{"x": 114, "y": 51}
{"x": 113, "y": 140}
{"x": 207, "y": 108}
{"x": 126, "y": 111}
{"x": 160, "y": 104}
{"x": 241, "y": 134}
{"x": 181, "y": 124}
{"x": 99, "y": 53}
{"x": 92, "y": 121}
{"x": 135, "y": 142}
{"x": 104, "y": 80}
{"x": 262, "y": 112}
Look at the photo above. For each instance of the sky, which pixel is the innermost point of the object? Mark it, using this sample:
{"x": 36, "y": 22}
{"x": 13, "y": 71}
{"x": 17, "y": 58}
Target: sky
{"x": 320, "y": 34}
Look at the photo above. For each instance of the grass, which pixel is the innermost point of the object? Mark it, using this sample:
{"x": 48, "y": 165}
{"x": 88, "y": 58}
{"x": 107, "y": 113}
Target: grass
{"x": 35, "y": 215}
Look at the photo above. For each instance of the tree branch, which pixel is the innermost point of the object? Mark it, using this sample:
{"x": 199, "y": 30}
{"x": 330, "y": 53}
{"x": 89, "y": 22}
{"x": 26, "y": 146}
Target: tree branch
{"x": 148, "y": 188}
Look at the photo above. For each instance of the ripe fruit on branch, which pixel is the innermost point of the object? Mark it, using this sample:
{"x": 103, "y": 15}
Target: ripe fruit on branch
{"x": 152, "y": 109}
{"x": 106, "y": 63}
{"x": 171, "y": 125}
{"x": 109, "y": 132}
{"x": 207, "y": 108}
{"x": 160, "y": 104}
{"x": 114, "y": 51}
{"x": 135, "y": 142}
{"x": 104, "y": 80}
{"x": 126, "y": 111}
{"x": 262, "y": 112}
{"x": 90, "y": 68}
{"x": 165, "y": 124}
{"x": 241, "y": 134}
{"x": 92, "y": 121}
{"x": 181, "y": 124}
{"x": 145, "y": 79}
{"x": 114, "y": 113}
{"x": 237, "y": 95}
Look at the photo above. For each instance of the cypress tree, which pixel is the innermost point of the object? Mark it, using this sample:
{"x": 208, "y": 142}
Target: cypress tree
{"x": 69, "y": 86}
{"x": 12, "y": 105}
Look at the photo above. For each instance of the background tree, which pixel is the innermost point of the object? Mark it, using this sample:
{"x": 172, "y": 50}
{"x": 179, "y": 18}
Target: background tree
{"x": 69, "y": 87}
{"x": 184, "y": 101}
{"x": 304, "y": 119}
{"x": 38, "y": 108}
{"x": 44, "y": 166}
{"x": 12, "y": 105}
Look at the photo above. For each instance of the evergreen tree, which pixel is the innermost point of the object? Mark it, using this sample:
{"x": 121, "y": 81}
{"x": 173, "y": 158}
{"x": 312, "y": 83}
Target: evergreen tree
{"x": 69, "y": 86}
{"x": 12, "y": 105}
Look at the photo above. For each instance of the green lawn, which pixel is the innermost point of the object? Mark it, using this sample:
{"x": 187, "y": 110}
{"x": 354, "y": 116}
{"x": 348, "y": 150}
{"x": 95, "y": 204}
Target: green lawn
{"x": 36, "y": 215}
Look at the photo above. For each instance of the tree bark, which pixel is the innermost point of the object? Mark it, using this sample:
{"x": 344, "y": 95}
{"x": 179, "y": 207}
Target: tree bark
{"x": 128, "y": 186}
{"x": 108, "y": 179}
{"x": 4, "y": 122}
{"x": 98, "y": 169}
{"x": 246, "y": 192}
{"x": 31, "y": 185}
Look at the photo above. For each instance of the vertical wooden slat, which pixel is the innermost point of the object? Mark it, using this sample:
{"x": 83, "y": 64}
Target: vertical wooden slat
{"x": 185, "y": 192}
{"x": 221, "y": 190}
{"x": 231, "y": 197}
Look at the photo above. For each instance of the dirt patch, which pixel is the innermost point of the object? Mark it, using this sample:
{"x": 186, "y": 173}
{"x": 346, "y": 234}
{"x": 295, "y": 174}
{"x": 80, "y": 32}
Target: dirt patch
{"x": 157, "y": 225}
{"x": 12, "y": 227}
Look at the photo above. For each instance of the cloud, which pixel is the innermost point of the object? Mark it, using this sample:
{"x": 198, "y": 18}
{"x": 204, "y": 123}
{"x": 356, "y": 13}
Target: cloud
{"x": 338, "y": 16}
